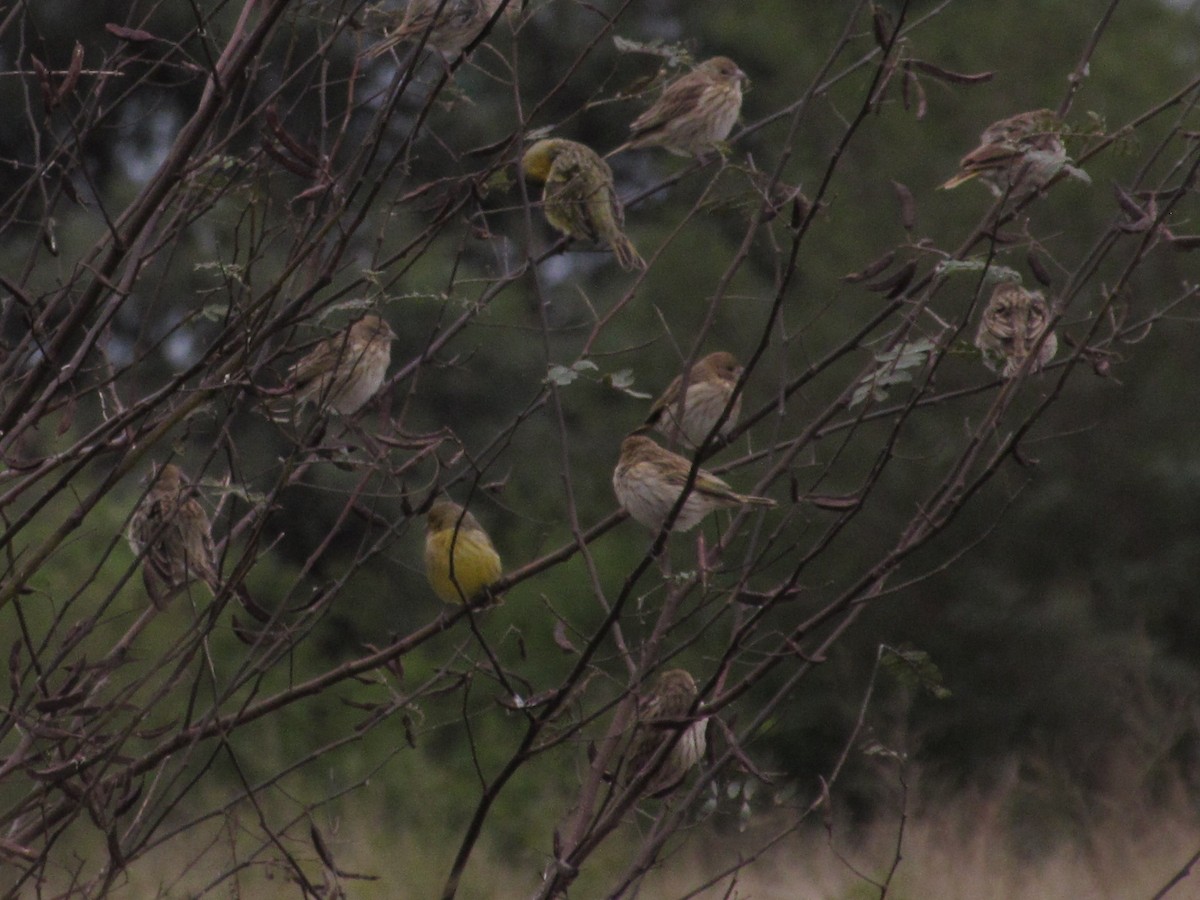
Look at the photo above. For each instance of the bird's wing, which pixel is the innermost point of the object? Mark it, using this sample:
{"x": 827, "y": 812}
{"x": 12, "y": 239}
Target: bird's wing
{"x": 677, "y": 99}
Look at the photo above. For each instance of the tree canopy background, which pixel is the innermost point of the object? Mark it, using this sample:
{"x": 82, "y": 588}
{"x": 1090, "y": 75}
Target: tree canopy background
{"x": 971, "y": 584}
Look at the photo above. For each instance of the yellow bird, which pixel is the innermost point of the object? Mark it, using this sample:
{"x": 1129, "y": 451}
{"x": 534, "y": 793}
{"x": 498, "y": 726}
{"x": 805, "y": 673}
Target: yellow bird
{"x": 460, "y": 561}
{"x": 578, "y": 197}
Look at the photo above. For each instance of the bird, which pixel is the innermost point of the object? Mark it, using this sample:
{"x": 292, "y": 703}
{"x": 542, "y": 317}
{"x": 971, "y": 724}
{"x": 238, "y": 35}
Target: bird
{"x": 1009, "y": 328}
{"x": 346, "y": 370}
{"x": 451, "y": 25}
{"x": 461, "y": 562}
{"x": 578, "y": 197}
{"x": 648, "y": 480}
{"x": 695, "y": 113}
{"x": 1022, "y": 151}
{"x": 710, "y": 383}
{"x": 663, "y": 713}
{"x": 170, "y": 531}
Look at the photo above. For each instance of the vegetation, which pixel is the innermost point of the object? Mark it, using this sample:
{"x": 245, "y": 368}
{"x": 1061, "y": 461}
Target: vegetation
{"x": 972, "y": 605}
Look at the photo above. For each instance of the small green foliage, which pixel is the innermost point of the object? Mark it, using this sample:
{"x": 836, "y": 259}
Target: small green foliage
{"x": 873, "y": 747}
{"x": 563, "y": 375}
{"x": 674, "y": 54}
{"x": 620, "y": 380}
{"x": 914, "y": 669}
{"x": 994, "y": 273}
{"x": 894, "y": 367}
{"x": 227, "y": 271}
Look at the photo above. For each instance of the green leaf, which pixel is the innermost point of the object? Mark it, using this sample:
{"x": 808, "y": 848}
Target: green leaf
{"x": 561, "y": 375}
{"x": 1001, "y": 275}
{"x": 894, "y": 368}
{"x": 996, "y": 273}
{"x": 914, "y": 669}
{"x": 622, "y": 381}
{"x": 674, "y": 54}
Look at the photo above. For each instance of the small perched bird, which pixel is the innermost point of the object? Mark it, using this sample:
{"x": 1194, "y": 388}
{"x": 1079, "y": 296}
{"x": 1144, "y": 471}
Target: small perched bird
{"x": 344, "y": 371}
{"x": 171, "y": 528}
{"x": 450, "y": 30}
{"x": 579, "y": 198}
{"x": 710, "y": 384}
{"x": 695, "y": 113}
{"x": 1025, "y": 150}
{"x": 1012, "y": 322}
{"x": 649, "y": 479}
{"x": 460, "y": 561}
{"x": 662, "y": 714}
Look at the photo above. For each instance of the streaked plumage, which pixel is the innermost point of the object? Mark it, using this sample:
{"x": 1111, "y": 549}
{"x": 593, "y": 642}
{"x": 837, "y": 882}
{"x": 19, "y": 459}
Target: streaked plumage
{"x": 346, "y": 370}
{"x": 579, "y": 198}
{"x": 1012, "y": 322}
{"x": 696, "y": 111}
{"x": 458, "y": 23}
{"x": 1022, "y": 151}
{"x": 460, "y": 560}
{"x": 172, "y": 529}
{"x": 662, "y": 714}
{"x": 649, "y": 479}
{"x": 710, "y": 384}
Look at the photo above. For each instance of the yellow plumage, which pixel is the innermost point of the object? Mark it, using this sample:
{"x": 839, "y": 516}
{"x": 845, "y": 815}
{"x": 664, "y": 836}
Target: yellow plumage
{"x": 460, "y": 560}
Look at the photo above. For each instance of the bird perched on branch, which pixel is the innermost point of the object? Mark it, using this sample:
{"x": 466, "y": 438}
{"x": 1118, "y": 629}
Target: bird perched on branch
{"x": 710, "y": 383}
{"x": 345, "y": 370}
{"x": 649, "y": 479}
{"x": 695, "y": 113}
{"x": 1022, "y": 151}
{"x": 451, "y": 25}
{"x": 1011, "y": 325}
{"x": 578, "y": 197}
{"x": 665, "y": 714}
{"x": 170, "y": 531}
{"x": 460, "y": 561}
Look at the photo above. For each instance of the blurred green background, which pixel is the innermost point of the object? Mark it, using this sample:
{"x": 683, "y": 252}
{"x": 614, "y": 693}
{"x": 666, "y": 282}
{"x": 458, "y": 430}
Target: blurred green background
{"x": 1060, "y": 604}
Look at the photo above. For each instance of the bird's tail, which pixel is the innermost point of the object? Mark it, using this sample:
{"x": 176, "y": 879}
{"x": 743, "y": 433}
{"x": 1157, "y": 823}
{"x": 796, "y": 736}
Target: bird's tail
{"x": 390, "y": 41}
{"x": 957, "y": 180}
{"x": 757, "y": 501}
{"x": 627, "y": 256}
{"x": 628, "y": 145}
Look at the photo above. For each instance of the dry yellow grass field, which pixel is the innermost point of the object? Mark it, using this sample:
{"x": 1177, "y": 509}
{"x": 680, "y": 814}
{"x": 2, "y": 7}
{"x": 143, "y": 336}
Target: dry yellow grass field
{"x": 970, "y": 848}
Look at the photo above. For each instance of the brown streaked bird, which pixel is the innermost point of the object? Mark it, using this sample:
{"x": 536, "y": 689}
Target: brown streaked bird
{"x": 1011, "y": 325}
{"x": 346, "y": 370}
{"x": 1025, "y": 150}
{"x": 461, "y": 562}
{"x": 710, "y": 383}
{"x": 171, "y": 529}
{"x": 648, "y": 480}
{"x": 578, "y": 197}
{"x": 695, "y": 113}
{"x": 450, "y": 30}
{"x": 663, "y": 713}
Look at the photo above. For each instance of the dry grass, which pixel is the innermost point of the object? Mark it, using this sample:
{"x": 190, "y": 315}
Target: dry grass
{"x": 963, "y": 850}
{"x": 972, "y": 847}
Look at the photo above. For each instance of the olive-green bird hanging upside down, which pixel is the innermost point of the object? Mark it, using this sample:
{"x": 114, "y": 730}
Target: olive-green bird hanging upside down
{"x": 578, "y": 197}
{"x": 649, "y": 479}
{"x": 460, "y": 561}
